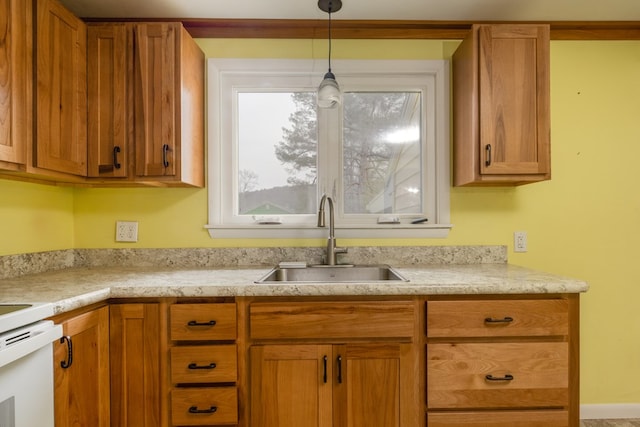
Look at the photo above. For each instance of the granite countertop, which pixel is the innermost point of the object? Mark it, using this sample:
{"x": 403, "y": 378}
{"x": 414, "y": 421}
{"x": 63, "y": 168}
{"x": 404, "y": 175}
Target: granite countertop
{"x": 72, "y": 288}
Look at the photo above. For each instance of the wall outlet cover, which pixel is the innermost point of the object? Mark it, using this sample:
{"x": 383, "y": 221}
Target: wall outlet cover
{"x": 126, "y": 231}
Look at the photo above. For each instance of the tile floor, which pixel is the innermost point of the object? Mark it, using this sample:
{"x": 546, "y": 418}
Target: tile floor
{"x": 611, "y": 423}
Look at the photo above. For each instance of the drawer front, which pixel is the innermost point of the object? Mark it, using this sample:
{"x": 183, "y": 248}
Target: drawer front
{"x": 497, "y": 375}
{"x": 204, "y": 364}
{"x": 497, "y": 318}
{"x": 203, "y": 322}
{"x": 204, "y": 406}
{"x": 393, "y": 319}
{"x": 541, "y": 418}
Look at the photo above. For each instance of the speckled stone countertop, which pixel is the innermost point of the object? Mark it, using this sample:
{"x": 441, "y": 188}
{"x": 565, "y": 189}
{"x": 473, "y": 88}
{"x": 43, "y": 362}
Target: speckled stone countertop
{"x": 80, "y": 286}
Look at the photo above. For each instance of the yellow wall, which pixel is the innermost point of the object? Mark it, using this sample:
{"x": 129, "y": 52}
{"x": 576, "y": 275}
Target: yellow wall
{"x": 585, "y": 222}
{"x": 35, "y": 218}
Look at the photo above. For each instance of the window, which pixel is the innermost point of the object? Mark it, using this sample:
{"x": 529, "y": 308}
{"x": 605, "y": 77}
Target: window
{"x": 383, "y": 155}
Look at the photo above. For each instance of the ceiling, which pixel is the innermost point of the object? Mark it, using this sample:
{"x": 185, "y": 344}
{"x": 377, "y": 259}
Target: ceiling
{"x": 425, "y": 10}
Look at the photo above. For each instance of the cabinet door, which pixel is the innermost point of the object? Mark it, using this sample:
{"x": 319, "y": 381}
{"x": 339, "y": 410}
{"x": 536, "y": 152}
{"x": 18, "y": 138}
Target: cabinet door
{"x": 61, "y": 138}
{"x": 108, "y": 127}
{"x": 291, "y": 386}
{"x": 135, "y": 365}
{"x": 368, "y": 390}
{"x": 82, "y": 388}
{"x": 514, "y": 99}
{"x": 155, "y": 99}
{"x": 16, "y": 51}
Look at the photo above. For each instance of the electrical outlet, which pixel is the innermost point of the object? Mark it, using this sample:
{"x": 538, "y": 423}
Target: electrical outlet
{"x": 126, "y": 231}
{"x": 520, "y": 241}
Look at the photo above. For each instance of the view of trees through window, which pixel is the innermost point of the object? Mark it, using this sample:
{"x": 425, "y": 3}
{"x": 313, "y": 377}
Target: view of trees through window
{"x": 278, "y": 153}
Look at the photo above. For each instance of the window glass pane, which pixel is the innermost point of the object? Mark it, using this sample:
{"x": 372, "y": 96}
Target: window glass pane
{"x": 277, "y": 153}
{"x": 382, "y": 153}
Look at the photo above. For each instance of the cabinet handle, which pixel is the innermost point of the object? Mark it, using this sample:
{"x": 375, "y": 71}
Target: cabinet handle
{"x": 116, "y": 164}
{"x": 339, "y": 369}
{"x": 65, "y": 364}
{"x": 196, "y": 366}
{"x": 324, "y": 375}
{"x": 507, "y": 377}
{"x": 492, "y": 321}
{"x": 195, "y": 410}
{"x": 488, "y": 149}
{"x": 196, "y": 323}
{"x": 165, "y": 160}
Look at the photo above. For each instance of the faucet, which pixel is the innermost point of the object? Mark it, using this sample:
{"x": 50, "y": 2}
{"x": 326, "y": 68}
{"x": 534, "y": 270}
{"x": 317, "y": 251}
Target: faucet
{"x": 332, "y": 250}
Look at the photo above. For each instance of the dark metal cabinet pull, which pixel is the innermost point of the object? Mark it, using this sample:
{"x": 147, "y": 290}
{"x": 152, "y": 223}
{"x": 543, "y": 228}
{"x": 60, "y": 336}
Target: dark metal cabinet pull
{"x": 116, "y": 164}
{"x": 196, "y": 366}
{"x": 165, "y": 158}
{"x": 324, "y": 375}
{"x": 507, "y": 377}
{"x": 488, "y": 149}
{"x": 504, "y": 320}
{"x": 195, "y": 410}
{"x": 196, "y": 323}
{"x": 339, "y": 369}
{"x": 65, "y": 364}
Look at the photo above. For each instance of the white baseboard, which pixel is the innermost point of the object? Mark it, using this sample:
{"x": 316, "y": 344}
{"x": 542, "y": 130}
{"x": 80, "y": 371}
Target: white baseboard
{"x": 610, "y": 410}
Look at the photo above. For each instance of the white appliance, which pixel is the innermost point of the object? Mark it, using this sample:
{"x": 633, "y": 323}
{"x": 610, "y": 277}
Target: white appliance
{"x": 26, "y": 365}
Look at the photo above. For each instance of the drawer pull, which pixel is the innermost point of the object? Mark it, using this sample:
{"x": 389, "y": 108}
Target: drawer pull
{"x": 195, "y": 410}
{"x": 507, "y": 377}
{"x": 492, "y": 321}
{"x": 195, "y": 323}
{"x": 196, "y": 366}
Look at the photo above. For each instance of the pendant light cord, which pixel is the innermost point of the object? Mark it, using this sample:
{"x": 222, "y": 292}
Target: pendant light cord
{"x": 329, "y": 36}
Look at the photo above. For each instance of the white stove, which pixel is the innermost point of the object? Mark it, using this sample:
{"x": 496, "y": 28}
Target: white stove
{"x": 26, "y": 365}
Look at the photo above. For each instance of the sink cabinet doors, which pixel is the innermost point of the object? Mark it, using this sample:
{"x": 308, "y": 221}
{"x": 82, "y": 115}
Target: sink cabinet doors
{"x": 333, "y": 364}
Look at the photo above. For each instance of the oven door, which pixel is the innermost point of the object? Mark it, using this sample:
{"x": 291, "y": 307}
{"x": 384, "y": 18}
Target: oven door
{"x": 26, "y": 375}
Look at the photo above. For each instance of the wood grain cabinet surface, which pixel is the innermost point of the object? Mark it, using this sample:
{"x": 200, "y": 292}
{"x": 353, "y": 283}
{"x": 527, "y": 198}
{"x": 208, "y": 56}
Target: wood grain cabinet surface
{"x": 204, "y": 364}
{"x": 61, "y": 90}
{"x": 332, "y": 364}
{"x": 146, "y": 104}
{"x": 16, "y": 87}
{"x": 501, "y": 110}
{"x": 489, "y": 354}
{"x": 82, "y": 375}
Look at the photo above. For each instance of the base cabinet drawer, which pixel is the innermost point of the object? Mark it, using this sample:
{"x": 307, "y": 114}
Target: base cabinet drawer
{"x": 203, "y": 322}
{"x": 204, "y": 364}
{"x": 499, "y": 419}
{"x": 497, "y": 375}
{"x": 204, "y": 406}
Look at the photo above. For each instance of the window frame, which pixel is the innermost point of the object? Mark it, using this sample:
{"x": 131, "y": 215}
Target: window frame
{"x": 228, "y": 76}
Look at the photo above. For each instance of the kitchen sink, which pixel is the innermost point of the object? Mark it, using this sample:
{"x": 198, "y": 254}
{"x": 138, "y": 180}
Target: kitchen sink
{"x": 333, "y": 274}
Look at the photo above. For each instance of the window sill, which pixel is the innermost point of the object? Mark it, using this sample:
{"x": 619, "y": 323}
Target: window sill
{"x": 401, "y": 231}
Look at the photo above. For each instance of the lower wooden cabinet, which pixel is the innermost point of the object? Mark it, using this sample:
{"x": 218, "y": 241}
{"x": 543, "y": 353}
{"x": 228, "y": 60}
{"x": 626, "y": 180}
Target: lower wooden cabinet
{"x": 547, "y": 418}
{"x": 137, "y": 389}
{"x": 327, "y": 385}
{"x": 81, "y": 371}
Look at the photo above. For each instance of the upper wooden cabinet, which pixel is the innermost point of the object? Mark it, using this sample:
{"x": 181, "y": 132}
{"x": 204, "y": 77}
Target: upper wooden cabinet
{"x": 16, "y": 97}
{"x": 501, "y": 105}
{"x": 146, "y": 103}
{"x": 61, "y": 90}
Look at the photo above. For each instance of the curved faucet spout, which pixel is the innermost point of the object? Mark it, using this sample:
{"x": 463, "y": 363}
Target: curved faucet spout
{"x": 332, "y": 250}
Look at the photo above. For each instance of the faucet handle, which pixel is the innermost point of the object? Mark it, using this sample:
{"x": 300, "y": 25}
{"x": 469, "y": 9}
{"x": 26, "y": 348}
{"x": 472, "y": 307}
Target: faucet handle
{"x": 340, "y": 250}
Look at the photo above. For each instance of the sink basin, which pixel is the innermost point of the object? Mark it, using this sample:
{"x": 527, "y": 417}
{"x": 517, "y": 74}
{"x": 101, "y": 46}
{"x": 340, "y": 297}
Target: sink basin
{"x": 333, "y": 274}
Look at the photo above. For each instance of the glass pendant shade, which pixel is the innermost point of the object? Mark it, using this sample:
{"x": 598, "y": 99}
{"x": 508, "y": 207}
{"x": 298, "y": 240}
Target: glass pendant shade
{"x": 329, "y": 95}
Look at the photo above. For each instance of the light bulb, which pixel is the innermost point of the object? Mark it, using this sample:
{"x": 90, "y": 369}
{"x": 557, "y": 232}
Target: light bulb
{"x": 329, "y": 95}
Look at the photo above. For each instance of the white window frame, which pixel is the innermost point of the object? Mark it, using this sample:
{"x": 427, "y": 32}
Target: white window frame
{"x": 228, "y": 76}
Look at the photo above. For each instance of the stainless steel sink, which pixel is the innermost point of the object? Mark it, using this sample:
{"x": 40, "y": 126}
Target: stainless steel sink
{"x": 333, "y": 274}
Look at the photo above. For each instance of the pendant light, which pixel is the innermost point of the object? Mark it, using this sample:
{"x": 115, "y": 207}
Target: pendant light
{"x": 329, "y": 95}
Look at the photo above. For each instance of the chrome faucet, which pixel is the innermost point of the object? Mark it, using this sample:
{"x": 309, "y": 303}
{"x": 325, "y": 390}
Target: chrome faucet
{"x": 332, "y": 250}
